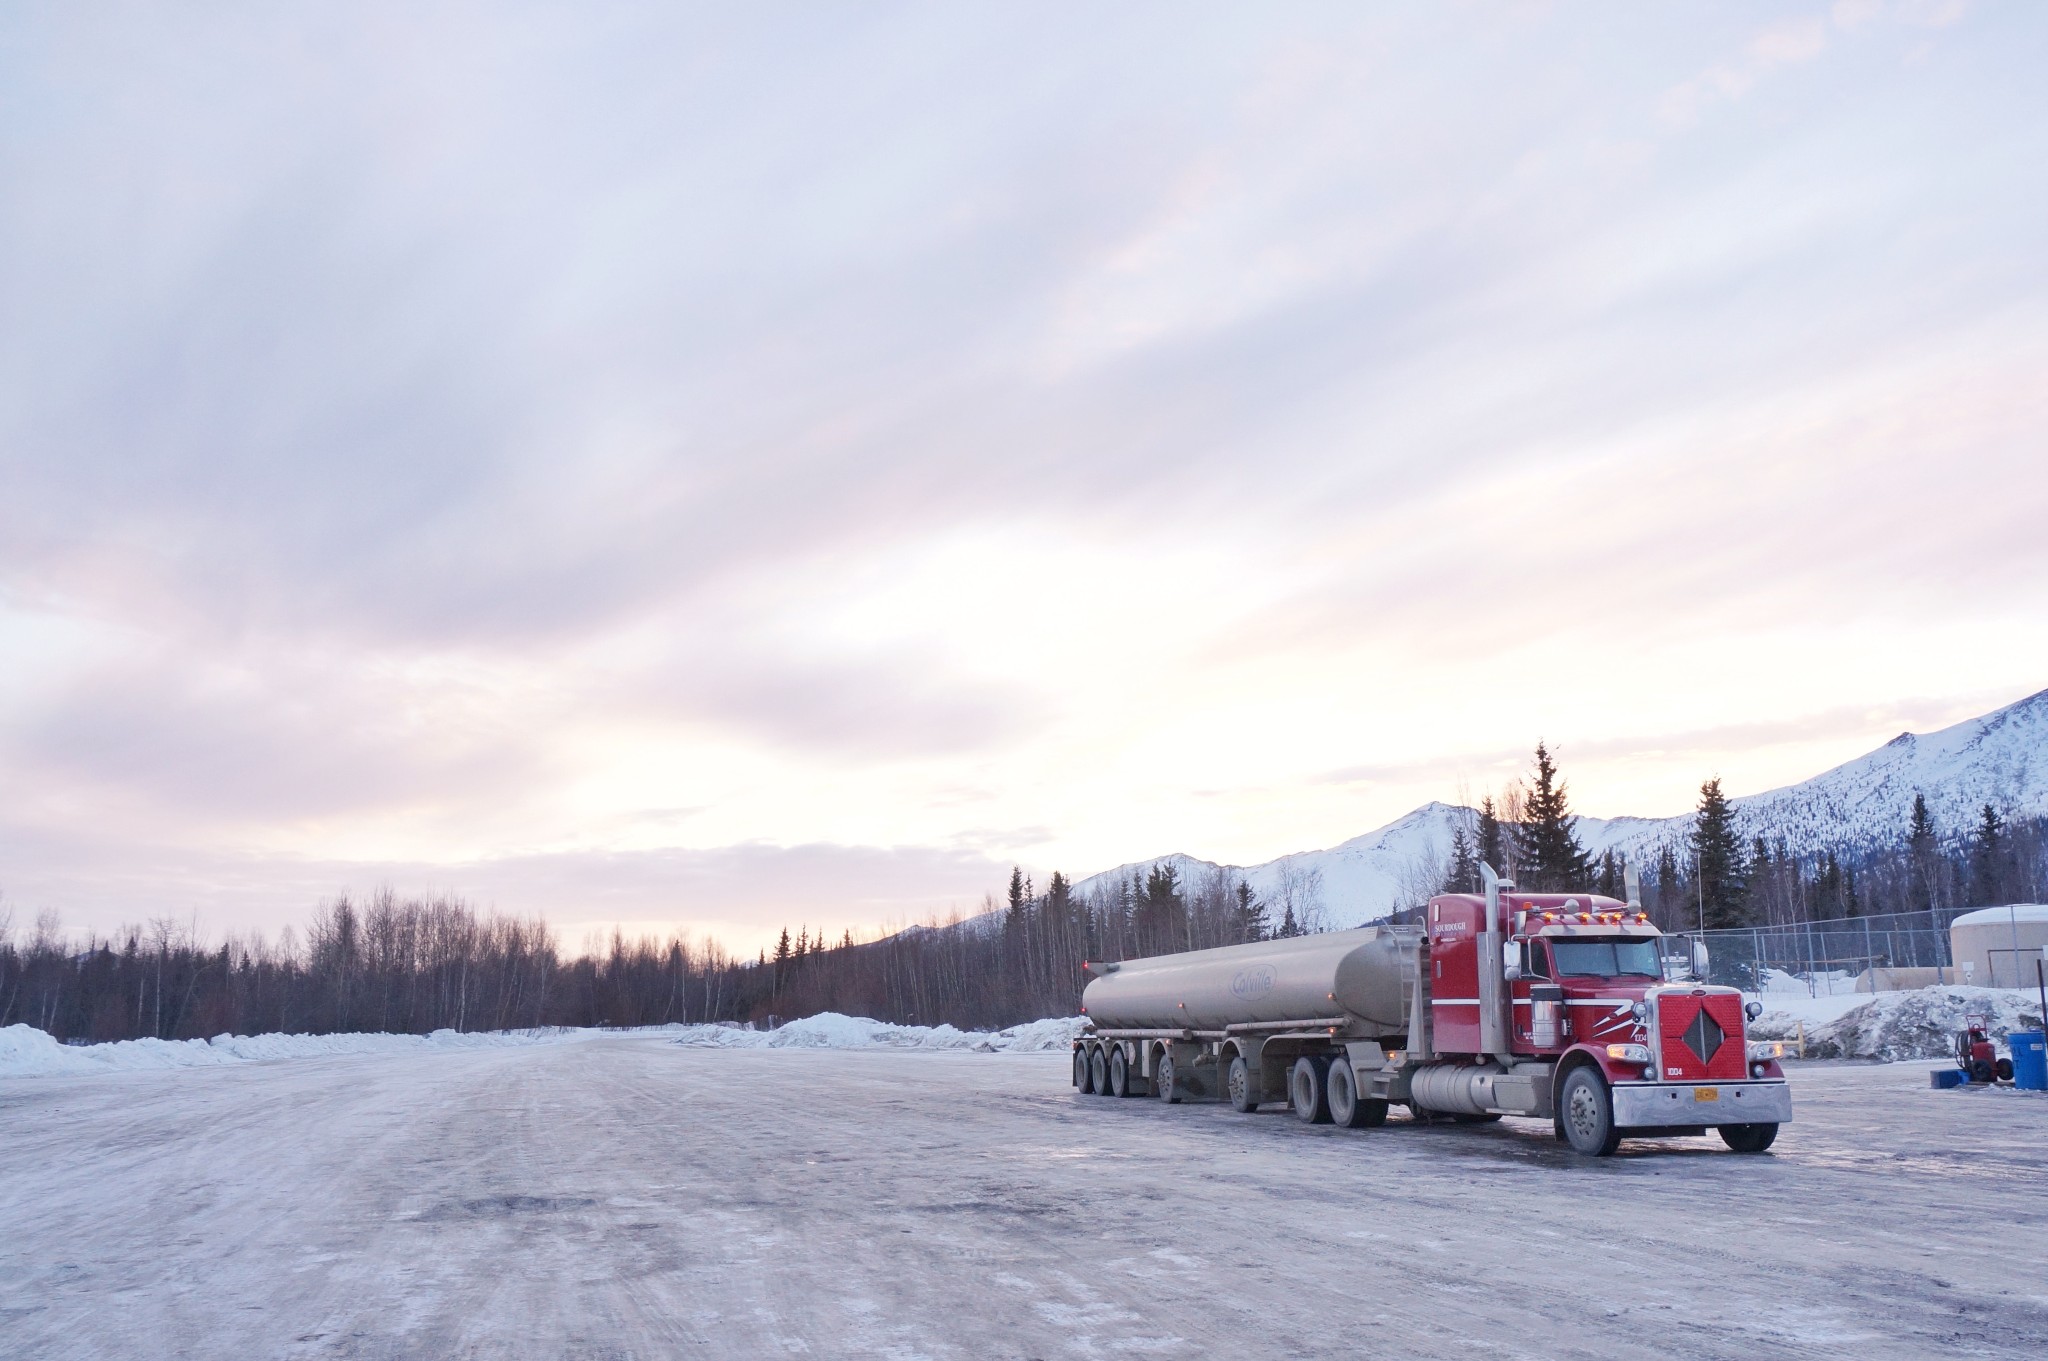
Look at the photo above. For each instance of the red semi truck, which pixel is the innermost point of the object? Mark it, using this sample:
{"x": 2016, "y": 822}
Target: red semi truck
{"x": 1546, "y": 1005}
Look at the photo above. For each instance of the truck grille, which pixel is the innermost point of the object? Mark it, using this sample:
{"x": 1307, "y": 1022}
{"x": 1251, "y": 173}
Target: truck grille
{"x": 1700, "y": 1036}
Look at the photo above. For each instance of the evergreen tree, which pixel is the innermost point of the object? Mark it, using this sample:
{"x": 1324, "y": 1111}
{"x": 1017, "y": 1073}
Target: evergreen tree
{"x": 1019, "y": 895}
{"x": 1162, "y": 916}
{"x": 1059, "y": 902}
{"x": 1852, "y": 906}
{"x": 1920, "y": 832}
{"x": 1463, "y": 874}
{"x": 1669, "y": 890}
{"x": 1288, "y": 926}
{"x": 1717, "y": 852}
{"x": 1492, "y": 846}
{"x": 1251, "y": 913}
{"x": 1548, "y": 856}
{"x": 1922, "y": 849}
{"x": 1607, "y": 881}
{"x": 1987, "y": 859}
{"x": 782, "y": 957}
{"x": 1827, "y": 887}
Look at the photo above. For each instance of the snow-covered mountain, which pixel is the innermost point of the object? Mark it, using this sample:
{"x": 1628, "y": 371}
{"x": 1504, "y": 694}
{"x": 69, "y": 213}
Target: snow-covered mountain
{"x": 2000, "y": 759}
{"x": 1359, "y": 877}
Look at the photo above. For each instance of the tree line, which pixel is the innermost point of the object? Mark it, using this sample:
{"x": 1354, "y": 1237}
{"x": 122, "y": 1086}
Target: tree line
{"x": 419, "y": 965}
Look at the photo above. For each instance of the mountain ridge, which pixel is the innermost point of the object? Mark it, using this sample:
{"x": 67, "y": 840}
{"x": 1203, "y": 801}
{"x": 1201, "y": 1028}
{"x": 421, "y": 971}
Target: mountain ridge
{"x": 2000, "y": 758}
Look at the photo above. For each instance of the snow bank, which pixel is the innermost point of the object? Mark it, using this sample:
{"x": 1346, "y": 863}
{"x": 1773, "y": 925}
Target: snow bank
{"x": 830, "y": 1030}
{"x": 28, "y": 1052}
{"x": 1921, "y": 1024}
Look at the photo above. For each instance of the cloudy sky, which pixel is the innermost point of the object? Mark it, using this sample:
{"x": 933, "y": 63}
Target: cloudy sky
{"x": 725, "y": 465}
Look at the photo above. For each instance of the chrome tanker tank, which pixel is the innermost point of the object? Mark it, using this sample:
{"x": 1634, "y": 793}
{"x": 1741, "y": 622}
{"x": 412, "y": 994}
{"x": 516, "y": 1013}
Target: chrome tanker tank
{"x": 1355, "y": 974}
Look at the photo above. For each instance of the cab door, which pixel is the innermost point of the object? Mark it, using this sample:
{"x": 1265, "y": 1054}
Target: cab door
{"x": 1454, "y": 924}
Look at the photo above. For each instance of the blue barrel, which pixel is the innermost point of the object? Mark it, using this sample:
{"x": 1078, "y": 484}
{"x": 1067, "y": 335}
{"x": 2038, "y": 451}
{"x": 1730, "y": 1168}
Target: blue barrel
{"x": 2029, "y": 1059}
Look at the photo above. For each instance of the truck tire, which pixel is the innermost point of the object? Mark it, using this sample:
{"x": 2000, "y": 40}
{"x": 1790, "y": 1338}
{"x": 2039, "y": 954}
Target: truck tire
{"x": 1083, "y": 1083}
{"x": 1309, "y": 1088}
{"x": 1242, "y": 1086}
{"x": 1119, "y": 1072}
{"x": 1586, "y": 1110}
{"x": 1347, "y": 1108}
{"x": 1164, "y": 1085}
{"x": 1098, "y": 1072}
{"x": 1748, "y": 1138}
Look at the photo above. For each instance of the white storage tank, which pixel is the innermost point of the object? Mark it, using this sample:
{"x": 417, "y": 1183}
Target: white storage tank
{"x": 1997, "y": 947}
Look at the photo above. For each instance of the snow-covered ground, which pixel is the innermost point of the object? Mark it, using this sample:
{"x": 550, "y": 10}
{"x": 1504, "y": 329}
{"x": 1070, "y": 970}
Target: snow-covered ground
{"x": 28, "y": 1052}
{"x": 617, "y": 1195}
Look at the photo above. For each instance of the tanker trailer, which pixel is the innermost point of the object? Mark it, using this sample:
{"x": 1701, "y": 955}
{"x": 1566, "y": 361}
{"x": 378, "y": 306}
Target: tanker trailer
{"x": 1550, "y": 1006}
{"x": 1253, "y": 1023}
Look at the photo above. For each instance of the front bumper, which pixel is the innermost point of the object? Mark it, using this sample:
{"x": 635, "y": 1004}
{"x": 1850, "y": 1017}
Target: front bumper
{"x": 1666, "y": 1104}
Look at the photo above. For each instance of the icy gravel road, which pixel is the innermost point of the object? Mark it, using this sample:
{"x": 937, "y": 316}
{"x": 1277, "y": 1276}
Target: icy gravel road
{"x": 626, "y": 1197}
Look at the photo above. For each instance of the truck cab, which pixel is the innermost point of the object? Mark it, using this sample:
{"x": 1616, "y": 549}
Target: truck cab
{"x": 1582, "y": 985}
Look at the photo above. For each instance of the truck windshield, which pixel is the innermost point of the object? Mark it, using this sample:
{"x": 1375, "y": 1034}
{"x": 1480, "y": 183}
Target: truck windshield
{"x": 1605, "y": 958}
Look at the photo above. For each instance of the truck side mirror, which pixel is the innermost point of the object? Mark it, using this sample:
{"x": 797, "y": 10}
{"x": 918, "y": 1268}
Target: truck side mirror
{"x": 1513, "y": 972}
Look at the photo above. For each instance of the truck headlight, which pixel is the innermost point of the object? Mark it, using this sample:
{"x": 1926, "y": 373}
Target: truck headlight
{"x": 1629, "y": 1053}
{"x": 1762, "y": 1051}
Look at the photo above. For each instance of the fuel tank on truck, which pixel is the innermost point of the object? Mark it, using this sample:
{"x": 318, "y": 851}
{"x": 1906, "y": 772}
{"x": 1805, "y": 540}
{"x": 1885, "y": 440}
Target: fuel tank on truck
{"x": 1356, "y": 973}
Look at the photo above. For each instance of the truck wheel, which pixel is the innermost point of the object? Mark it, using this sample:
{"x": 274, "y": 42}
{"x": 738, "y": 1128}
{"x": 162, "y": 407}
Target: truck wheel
{"x": 1082, "y": 1084}
{"x": 1347, "y": 1108}
{"x": 1163, "y": 1085}
{"x": 1586, "y": 1109}
{"x": 1244, "y": 1095}
{"x": 1098, "y": 1072}
{"x": 1119, "y": 1072}
{"x": 1310, "y": 1089}
{"x": 1748, "y": 1138}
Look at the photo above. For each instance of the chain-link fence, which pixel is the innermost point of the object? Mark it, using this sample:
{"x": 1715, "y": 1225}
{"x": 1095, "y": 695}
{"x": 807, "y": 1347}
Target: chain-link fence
{"x": 1850, "y": 954}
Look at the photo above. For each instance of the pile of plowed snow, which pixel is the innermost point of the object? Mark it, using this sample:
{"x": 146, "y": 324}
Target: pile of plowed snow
{"x": 830, "y": 1030}
{"x": 1918, "y": 1024}
{"x": 28, "y": 1052}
